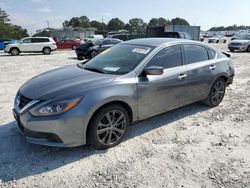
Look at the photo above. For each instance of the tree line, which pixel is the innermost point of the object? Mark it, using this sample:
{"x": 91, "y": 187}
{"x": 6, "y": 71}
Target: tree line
{"x": 230, "y": 28}
{"x": 9, "y": 30}
{"x": 134, "y": 25}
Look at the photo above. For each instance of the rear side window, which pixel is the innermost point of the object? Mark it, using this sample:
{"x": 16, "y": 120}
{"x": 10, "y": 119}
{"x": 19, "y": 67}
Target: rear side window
{"x": 212, "y": 53}
{"x": 39, "y": 40}
{"x": 167, "y": 58}
{"x": 115, "y": 41}
{"x": 106, "y": 42}
{"x": 195, "y": 53}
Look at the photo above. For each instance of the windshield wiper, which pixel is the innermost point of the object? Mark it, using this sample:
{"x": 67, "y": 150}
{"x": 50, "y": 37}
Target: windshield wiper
{"x": 94, "y": 70}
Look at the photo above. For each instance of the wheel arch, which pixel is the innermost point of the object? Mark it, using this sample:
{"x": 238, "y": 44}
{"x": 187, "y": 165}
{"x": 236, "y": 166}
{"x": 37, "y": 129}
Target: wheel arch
{"x": 46, "y": 47}
{"x": 119, "y": 102}
{"x": 15, "y": 47}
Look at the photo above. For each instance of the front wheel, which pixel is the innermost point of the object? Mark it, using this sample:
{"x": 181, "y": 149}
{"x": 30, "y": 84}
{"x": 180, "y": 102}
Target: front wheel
{"x": 216, "y": 93}
{"x": 93, "y": 54}
{"x": 14, "y": 51}
{"x": 108, "y": 127}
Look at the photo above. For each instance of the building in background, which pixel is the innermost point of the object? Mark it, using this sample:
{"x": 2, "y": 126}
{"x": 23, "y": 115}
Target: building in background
{"x": 67, "y": 32}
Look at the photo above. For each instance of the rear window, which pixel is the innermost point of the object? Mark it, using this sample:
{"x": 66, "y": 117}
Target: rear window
{"x": 172, "y": 35}
{"x": 195, "y": 53}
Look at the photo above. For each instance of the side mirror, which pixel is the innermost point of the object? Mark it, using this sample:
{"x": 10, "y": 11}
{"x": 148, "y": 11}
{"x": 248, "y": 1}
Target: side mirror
{"x": 153, "y": 70}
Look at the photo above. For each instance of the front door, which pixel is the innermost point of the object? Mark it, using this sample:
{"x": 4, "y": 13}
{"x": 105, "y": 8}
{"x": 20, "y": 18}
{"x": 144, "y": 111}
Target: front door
{"x": 160, "y": 93}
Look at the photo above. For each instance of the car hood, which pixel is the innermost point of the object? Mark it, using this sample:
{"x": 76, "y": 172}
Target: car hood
{"x": 66, "y": 81}
{"x": 240, "y": 41}
{"x": 12, "y": 44}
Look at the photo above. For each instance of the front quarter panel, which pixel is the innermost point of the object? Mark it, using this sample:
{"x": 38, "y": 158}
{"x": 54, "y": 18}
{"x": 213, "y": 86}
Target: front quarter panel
{"x": 122, "y": 90}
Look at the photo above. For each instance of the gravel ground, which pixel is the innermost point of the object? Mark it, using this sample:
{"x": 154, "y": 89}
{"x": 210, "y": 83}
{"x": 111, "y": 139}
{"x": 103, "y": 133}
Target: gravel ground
{"x": 193, "y": 146}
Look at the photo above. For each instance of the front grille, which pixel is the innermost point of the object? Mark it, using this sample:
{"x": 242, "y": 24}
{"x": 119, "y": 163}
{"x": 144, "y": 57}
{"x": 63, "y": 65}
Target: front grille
{"x": 23, "y": 101}
{"x": 236, "y": 44}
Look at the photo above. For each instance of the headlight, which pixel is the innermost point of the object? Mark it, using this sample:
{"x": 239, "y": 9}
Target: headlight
{"x": 56, "y": 108}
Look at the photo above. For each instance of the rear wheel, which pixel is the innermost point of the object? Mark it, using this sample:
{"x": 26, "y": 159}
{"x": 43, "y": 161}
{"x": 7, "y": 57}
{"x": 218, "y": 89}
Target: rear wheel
{"x": 79, "y": 57}
{"x": 216, "y": 93}
{"x": 93, "y": 54}
{"x": 14, "y": 51}
{"x": 46, "y": 51}
{"x": 108, "y": 127}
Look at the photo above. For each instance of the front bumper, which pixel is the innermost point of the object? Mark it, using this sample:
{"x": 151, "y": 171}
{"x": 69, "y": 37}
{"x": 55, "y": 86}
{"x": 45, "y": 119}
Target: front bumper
{"x": 66, "y": 130}
{"x": 238, "y": 47}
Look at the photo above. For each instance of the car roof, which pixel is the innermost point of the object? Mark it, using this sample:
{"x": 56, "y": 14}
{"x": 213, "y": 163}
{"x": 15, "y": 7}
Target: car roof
{"x": 157, "y": 41}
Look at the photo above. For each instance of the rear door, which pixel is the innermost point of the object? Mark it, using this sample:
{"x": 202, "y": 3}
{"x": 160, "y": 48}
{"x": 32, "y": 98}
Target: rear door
{"x": 201, "y": 71}
{"x": 160, "y": 93}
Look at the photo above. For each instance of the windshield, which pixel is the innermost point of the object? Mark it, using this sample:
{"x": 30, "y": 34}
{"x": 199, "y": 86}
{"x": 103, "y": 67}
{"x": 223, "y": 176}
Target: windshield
{"x": 244, "y": 37}
{"x": 119, "y": 59}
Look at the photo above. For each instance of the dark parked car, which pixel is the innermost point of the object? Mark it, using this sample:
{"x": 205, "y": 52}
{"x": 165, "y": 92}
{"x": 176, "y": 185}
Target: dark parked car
{"x": 123, "y": 37}
{"x": 179, "y": 35}
{"x": 95, "y": 102}
{"x": 91, "y": 49}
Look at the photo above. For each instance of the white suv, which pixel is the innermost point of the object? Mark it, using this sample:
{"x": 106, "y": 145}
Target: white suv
{"x": 32, "y": 44}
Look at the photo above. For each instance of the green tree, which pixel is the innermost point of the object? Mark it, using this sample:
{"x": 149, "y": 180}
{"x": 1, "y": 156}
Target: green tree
{"x": 82, "y": 21}
{"x": 115, "y": 24}
{"x": 179, "y": 21}
{"x": 159, "y": 22}
{"x": 98, "y": 25}
{"x": 8, "y": 30}
{"x": 4, "y": 17}
{"x": 137, "y": 26}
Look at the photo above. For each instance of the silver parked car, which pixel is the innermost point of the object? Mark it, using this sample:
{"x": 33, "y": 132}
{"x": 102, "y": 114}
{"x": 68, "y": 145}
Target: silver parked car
{"x": 217, "y": 39}
{"x": 242, "y": 43}
{"x": 95, "y": 102}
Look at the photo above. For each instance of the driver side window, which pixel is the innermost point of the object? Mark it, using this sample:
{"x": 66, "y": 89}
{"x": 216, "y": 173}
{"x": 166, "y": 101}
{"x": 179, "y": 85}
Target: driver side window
{"x": 167, "y": 58}
{"x": 27, "y": 40}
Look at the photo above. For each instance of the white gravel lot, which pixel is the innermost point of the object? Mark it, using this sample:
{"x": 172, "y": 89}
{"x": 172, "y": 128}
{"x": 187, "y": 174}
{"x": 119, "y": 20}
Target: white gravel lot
{"x": 194, "y": 146}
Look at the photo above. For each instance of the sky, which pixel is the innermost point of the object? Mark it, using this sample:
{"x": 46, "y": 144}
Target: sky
{"x": 33, "y": 14}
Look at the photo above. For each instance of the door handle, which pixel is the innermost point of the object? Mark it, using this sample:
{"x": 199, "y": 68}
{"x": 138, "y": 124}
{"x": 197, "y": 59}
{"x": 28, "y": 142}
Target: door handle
{"x": 212, "y": 67}
{"x": 182, "y": 77}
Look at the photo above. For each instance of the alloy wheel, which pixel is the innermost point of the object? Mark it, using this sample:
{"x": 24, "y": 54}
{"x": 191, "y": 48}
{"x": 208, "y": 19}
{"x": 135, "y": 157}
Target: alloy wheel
{"x": 93, "y": 54}
{"x": 218, "y": 92}
{"x": 111, "y": 127}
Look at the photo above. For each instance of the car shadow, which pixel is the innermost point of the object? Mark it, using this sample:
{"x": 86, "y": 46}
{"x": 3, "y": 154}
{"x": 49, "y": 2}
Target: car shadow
{"x": 19, "y": 159}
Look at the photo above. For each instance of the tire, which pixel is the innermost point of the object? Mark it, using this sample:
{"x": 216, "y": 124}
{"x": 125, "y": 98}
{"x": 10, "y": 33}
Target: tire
{"x": 224, "y": 41}
{"x": 248, "y": 49}
{"x": 80, "y": 58}
{"x": 46, "y": 51}
{"x": 216, "y": 93}
{"x": 108, "y": 127}
{"x": 231, "y": 50}
{"x": 217, "y": 41}
{"x": 14, "y": 51}
{"x": 93, "y": 53}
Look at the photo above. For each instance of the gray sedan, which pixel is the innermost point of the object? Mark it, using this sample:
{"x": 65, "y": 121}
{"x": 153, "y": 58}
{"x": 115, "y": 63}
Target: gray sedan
{"x": 94, "y": 102}
{"x": 242, "y": 43}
